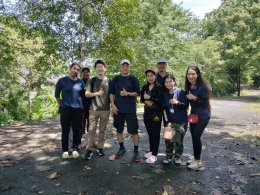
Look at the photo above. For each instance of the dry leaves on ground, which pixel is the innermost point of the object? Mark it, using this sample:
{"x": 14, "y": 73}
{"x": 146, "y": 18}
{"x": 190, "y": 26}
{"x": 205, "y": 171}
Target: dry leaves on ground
{"x": 4, "y": 187}
{"x": 168, "y": 190}
{"x": 112, "y": 157}
{"x": 216, "y": 191}
{"x": 87, "y": 168}
{"x": 54, "y": 175}
{"x": 138, "y": 177}
{"x": 255, "y": 175}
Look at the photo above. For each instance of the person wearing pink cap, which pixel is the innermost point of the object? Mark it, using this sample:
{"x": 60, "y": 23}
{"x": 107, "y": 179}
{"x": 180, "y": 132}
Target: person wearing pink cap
{"x": 152, "y": 97}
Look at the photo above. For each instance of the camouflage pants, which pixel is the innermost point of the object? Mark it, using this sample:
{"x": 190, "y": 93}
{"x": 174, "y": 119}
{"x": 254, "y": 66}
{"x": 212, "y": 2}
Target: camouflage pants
{"x": 177, "y": 142}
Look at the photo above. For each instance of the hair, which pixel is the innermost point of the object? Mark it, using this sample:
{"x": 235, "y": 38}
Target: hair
{"x": 75, "y": 64}
{"x": 100, "y": 62}
{"x": 199, "y": 81}
{"x": 170, "y": 76}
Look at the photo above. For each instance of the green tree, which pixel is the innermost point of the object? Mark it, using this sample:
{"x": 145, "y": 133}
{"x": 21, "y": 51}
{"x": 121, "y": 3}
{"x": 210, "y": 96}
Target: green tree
{"x": 236, "y": 26}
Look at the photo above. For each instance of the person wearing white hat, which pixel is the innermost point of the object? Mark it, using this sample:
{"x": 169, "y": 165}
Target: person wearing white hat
{"x": 123, "y": 92}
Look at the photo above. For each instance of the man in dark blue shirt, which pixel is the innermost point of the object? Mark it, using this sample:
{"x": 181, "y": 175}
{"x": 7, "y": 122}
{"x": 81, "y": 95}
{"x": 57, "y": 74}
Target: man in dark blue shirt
{"x": 123, "y": 91}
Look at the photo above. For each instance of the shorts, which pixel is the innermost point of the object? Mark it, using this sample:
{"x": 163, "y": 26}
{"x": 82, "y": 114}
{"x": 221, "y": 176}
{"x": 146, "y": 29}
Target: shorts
{"x": 131, "y": 122}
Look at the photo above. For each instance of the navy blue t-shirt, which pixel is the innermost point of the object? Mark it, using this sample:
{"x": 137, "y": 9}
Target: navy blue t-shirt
{"x": 70, "y": 92}
{"x": 125, "y": 104}
{"x": 159, "y": 78}
{"x": 200, "y": 106}
{"x": 176, "y": 113}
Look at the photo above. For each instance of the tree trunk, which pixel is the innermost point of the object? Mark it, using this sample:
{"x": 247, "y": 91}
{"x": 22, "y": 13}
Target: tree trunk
{"x": 238, "y": 81}
{"x": 81, "y": 35}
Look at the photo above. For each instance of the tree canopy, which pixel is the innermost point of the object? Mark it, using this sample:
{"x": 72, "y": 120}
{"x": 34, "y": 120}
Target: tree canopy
{"x": 40, "y": 38}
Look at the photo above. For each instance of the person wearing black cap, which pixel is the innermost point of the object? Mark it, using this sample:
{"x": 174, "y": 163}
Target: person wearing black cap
{"x": 152, "y": 97}
{"x": 161, "y": 66}
{"x": 123, "y": 92}
{"x": 69, "y": 91}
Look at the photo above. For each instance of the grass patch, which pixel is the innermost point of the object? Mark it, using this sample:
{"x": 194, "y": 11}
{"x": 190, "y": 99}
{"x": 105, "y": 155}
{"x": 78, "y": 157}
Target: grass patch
{"x": 255, "y": 140}
{"x": 255, "y": 106}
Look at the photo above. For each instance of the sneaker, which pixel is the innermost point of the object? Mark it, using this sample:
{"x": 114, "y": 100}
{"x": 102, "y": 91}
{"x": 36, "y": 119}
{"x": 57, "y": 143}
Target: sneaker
{"x": 148, "y": 155}
{"x": 100, "y": 152}
{"x": 65, "y": 155}
{"x": 167, "y": 161}
{"x": 120, "y": 152}
{"x": 190, "y": 161}
{"x": 177, "y": 161}
{"x": 75, "y": 154}
{"x": 136, "y": 157}
{"x": 88, "y": 155}
{"x": 195, "y": 165}
{"x": 151, "y": 160}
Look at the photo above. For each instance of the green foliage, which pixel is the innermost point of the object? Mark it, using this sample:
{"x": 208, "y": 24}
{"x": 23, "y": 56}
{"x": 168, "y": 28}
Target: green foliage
{"x": 236, "y": 25}
{"x": 256, "y": 80}
{"x": 44, "y": 104}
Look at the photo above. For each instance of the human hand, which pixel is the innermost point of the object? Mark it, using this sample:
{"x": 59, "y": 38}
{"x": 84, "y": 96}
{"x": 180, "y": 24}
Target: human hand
{"x": 114, "y": 109}
{"x": 123, "y": 92}
{"x": 174, "y": 101}
{"x": 148, "y": 102}
{"x": 101, "y": 92}
{"x": 146, "y": 96}
{"x": 190, "y": 96}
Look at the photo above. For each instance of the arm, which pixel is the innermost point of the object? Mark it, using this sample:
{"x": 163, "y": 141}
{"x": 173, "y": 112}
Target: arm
{"x": 58, "y": 89}
{"x": 112, "y": 101}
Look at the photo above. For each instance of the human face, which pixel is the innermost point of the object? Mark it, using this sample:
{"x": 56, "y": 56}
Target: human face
{"x": 85, "y": 74}
{"x": 162, "y": 67}
{"x": 74, "y": 71}
{"x": 192, "y": 76}
{"x": 124, "y": 69}
{"x": 100, "y": 69}
{"x": 169, "y": 83}
{"x": 150, "y": 77}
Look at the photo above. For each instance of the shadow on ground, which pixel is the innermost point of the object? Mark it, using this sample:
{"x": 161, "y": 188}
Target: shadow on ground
{"x": 30, "y": 153}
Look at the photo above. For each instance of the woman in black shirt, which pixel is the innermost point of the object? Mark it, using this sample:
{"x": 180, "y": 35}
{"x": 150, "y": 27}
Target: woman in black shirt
{"x": 151, "y": 95}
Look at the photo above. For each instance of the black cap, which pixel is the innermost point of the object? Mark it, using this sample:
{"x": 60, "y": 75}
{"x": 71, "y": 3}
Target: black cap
{"x": 85, "y": 68}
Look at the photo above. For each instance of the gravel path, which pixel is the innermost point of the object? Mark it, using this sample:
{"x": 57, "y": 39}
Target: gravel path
{"x": 30, "y": 153}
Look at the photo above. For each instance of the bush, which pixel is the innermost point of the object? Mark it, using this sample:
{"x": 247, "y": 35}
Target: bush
{"x": 256, "y": 80}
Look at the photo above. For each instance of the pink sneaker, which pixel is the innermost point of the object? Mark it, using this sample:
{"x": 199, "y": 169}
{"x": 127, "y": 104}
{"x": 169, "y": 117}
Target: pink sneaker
{"x": 151, "y": 160}
{"x": 148, "y": 155}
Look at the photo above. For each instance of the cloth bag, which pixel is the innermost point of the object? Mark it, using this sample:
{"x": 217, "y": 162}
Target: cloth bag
{"x": 168, "y": 133}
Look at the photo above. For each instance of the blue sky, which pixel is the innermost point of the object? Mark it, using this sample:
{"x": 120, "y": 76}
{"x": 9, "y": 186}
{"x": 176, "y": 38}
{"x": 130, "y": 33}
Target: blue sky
{"x": 199, "y": 7}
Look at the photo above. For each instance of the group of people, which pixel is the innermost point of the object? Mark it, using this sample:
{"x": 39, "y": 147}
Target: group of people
{"x": 89, "y": 99}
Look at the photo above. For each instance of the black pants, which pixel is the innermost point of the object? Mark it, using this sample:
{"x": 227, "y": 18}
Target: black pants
{"x": 153, "y": 127}
{"x": 196, "y": 132}
{"x": 70, "y": 117}
{"x": 84, "y": 121}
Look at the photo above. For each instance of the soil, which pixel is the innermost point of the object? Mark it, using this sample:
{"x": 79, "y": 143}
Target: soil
{"x": 30, "y": 160}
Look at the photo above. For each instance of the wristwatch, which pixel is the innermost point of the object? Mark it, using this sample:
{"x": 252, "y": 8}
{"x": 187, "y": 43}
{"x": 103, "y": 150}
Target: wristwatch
{"x": 128, "y": 94}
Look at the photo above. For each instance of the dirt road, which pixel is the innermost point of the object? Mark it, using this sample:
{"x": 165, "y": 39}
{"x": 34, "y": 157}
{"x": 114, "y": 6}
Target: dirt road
{"x": 30, "y": 153}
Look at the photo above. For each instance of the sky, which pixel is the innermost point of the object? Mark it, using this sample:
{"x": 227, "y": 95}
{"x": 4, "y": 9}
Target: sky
{"x": 199, "y": 7}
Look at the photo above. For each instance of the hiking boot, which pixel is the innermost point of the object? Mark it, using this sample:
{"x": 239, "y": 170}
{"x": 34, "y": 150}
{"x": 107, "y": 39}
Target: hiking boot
{"x": 167, "y": 161}
{"x": 120, "y": 152}
{"x": 136, "y": 157}
{"x": 148, "y": 155}
{"x": 65, "y": 155}
{"x": 75, "y": 154}
{"x": 88, "y": 155}
{"x": 151, "y": 160}
{"x": 195, "y": 165}
{"x": 100, "y": 152}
